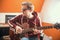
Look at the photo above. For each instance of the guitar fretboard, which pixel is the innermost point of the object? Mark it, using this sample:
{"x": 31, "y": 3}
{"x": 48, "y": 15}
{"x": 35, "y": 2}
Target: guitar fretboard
{"x": 39, "y": 28}
{"x": 45, "y": 27}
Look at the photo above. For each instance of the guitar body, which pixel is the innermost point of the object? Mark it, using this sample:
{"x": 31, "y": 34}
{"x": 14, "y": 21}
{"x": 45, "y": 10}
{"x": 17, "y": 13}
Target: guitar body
{"x": 13, "y": 36}
{"x": 25, "y": 26}
{"x": 16, "y": 36}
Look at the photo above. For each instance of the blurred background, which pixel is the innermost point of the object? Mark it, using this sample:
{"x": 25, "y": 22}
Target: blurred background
{"x": 48, "y": 10}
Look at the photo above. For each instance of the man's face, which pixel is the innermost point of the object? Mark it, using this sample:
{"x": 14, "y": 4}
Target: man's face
{"x": 27, "y": 12}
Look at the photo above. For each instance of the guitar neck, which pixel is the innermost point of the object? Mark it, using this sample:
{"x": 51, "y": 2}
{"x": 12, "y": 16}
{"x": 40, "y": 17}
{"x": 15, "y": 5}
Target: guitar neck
{"x": 45, "y": 27}
{"x": 39, "y": 28}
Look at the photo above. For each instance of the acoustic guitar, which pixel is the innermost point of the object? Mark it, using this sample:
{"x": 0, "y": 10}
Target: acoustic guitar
{"x": 56, "y": 26}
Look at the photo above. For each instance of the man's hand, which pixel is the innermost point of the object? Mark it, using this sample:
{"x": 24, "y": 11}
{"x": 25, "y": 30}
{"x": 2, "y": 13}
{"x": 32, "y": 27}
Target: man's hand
{"x": 18, "y": 30}
{"x": 36, "y": 31}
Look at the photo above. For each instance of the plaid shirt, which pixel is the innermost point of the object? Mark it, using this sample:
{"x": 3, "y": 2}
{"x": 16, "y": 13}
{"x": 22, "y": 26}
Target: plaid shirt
{"x": 31, "y": 21}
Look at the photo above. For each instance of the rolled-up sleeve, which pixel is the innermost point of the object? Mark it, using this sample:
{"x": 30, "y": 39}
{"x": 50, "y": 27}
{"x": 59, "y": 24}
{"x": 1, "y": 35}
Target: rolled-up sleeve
{"x": 12, "y": 22}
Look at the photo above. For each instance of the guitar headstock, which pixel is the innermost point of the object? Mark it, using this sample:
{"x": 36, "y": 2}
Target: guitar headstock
{"x": 57, "y": 25}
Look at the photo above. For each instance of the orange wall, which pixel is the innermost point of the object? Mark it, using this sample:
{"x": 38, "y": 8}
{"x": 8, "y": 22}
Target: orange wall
{"x": 15, "y": 5}
{"x": 52, "y": 32}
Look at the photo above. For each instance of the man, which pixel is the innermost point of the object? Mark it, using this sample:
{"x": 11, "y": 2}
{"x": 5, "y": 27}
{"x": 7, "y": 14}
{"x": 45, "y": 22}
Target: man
{"x": 29, "y": 19}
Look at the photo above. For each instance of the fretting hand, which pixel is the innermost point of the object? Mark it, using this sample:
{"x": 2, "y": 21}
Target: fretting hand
{"x": 36, "y": 31}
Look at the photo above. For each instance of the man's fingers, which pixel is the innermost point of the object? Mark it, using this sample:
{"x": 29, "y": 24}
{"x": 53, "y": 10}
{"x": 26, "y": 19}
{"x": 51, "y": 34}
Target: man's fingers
{"x": 18, "y": 29}
{"x": 36, "y": 31}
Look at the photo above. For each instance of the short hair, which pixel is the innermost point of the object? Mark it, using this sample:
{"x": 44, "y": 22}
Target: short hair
{"x": 29, "y": 5}
{"x": 26, "y": 3}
